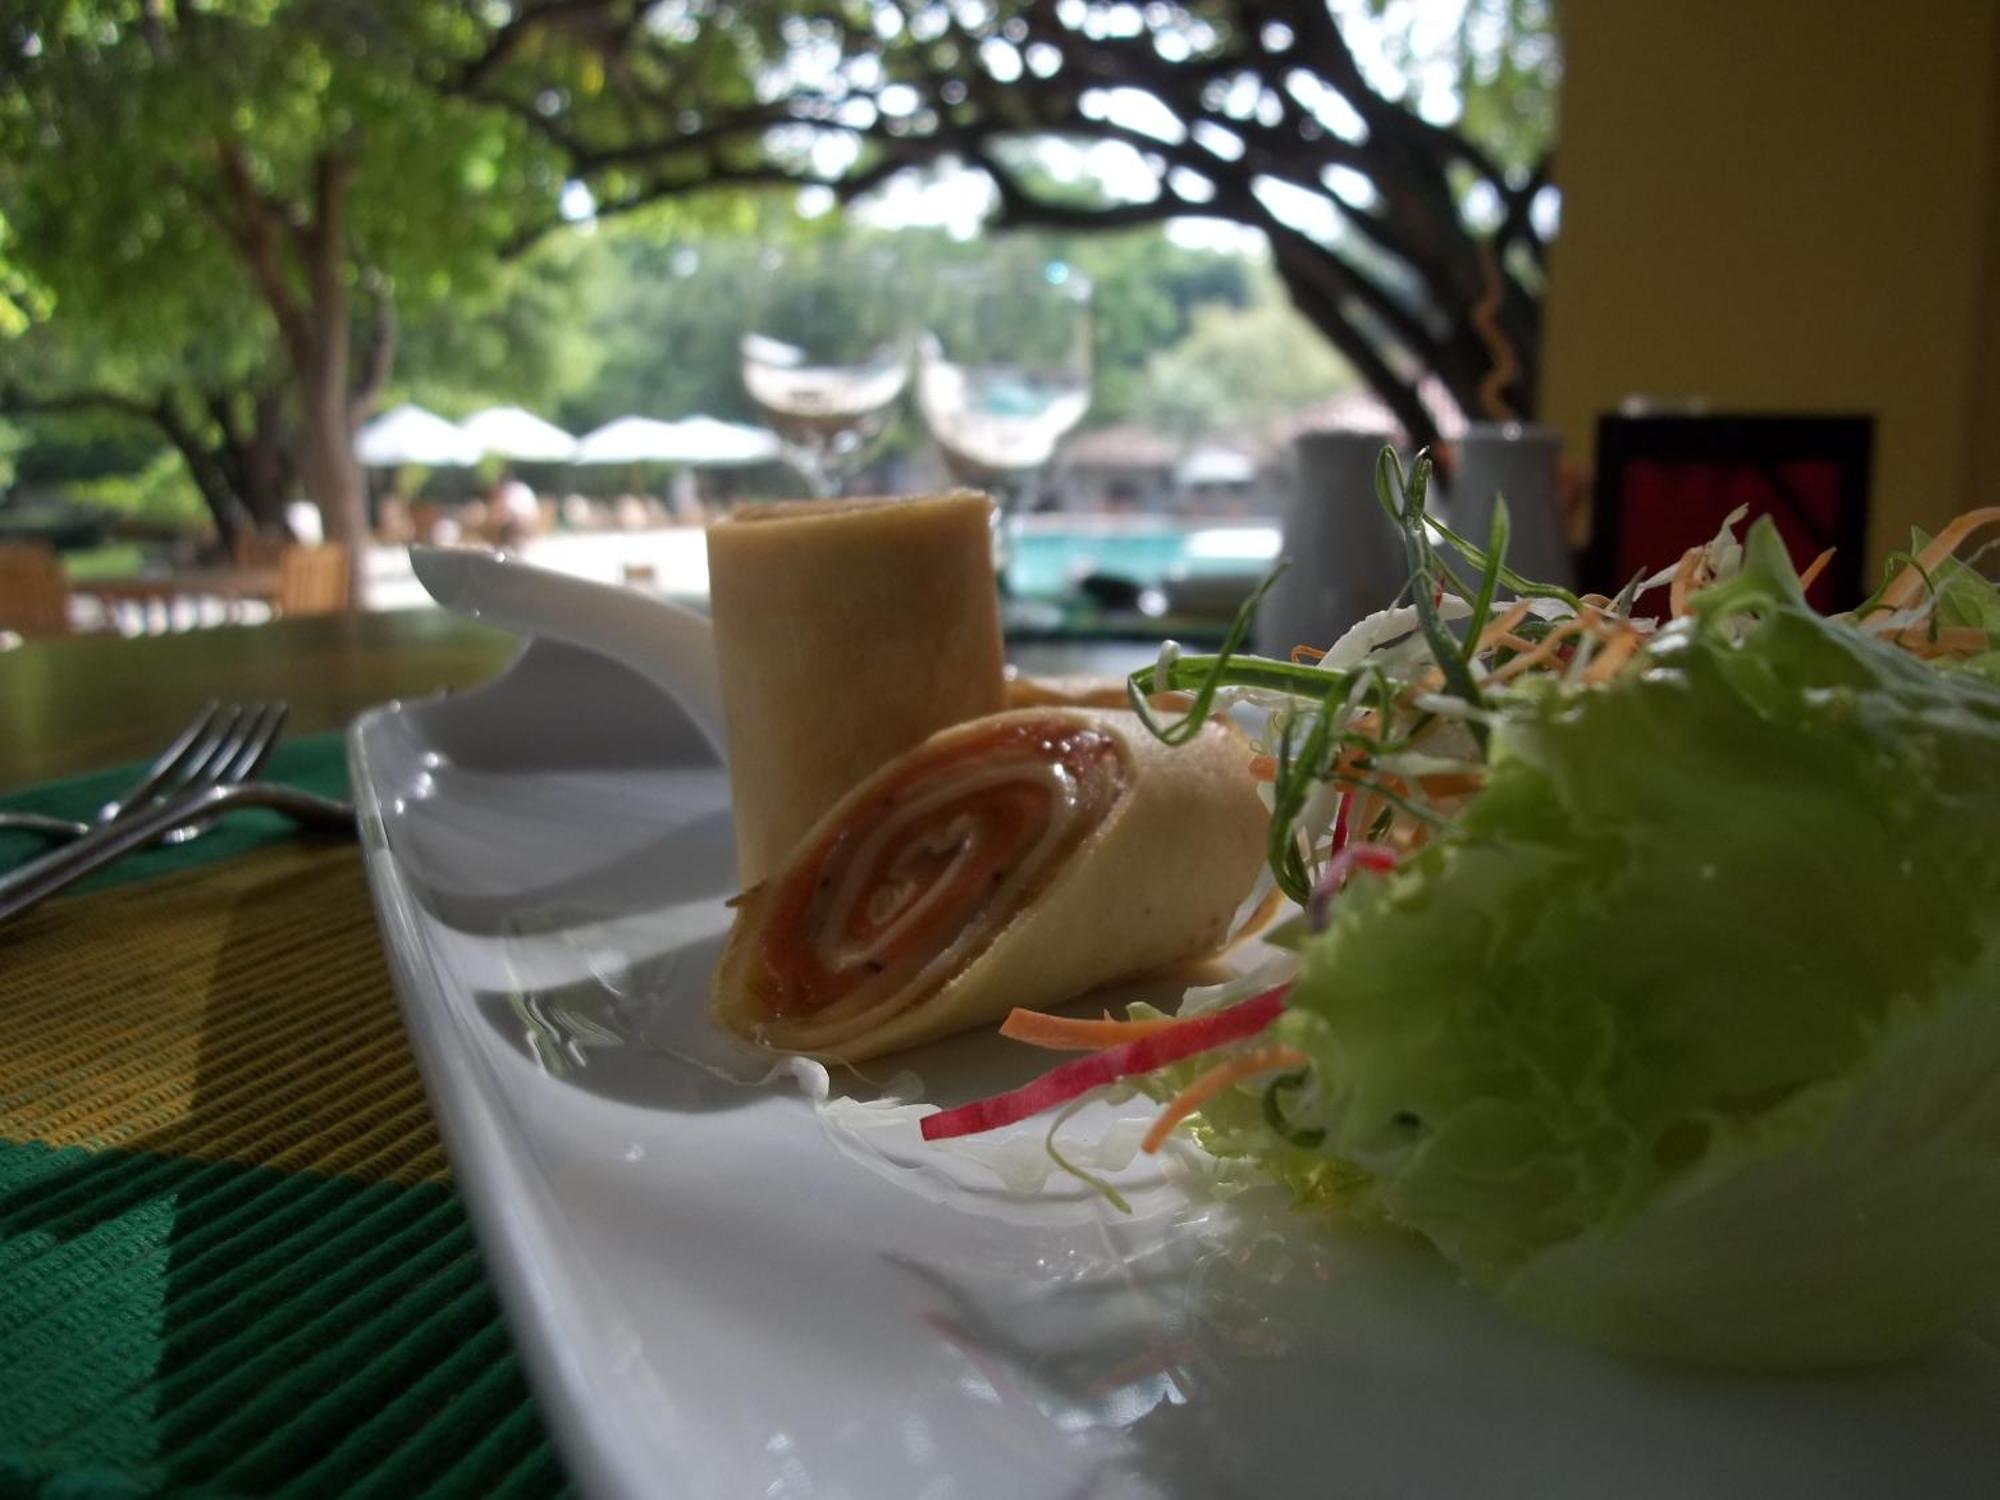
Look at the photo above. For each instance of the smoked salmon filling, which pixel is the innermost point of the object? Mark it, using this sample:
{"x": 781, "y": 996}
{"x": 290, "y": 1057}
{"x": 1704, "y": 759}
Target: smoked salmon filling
{"x": 1022, "y": 859}
{"x": 928, "y": 866}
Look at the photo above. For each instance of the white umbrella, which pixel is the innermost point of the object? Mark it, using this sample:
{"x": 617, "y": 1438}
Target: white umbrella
{"x": 696, "y": 442}
{"x": 513, "y": 433}
{"x": 719, "y": 442}
{"x": 630, "y": 440}
{"x": 1207, "y": 466}
{"x": 411, "y": 435}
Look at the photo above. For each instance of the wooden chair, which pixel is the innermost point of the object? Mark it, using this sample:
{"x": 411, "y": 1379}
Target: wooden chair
{"x": 312, "y": 580}
{"x": 34, "y": 590}
{"x": 257, "y": 549}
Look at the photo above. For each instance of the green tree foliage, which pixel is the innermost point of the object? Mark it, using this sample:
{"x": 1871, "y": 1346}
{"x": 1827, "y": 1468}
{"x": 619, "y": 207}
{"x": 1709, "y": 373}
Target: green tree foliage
{"x": 526, "y": 340}
{"x": 1239, "y": 370}
{"x": 672, "y": 301}
{"x": 1503, "y": 65}
{"x": 215, "y": 216}
{"x": 227, "y": 204}
{"x": 160, "y": 495}
{"x": 1409, "y": 229}
{"x": 1146, "y": 295}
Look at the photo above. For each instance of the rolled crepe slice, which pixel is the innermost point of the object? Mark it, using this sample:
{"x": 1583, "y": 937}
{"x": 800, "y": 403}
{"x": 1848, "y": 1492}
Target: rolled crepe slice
{"x": 1082, "y": 690}
{"x": 845, "y": 632}
{"x": 1020, "y": 859}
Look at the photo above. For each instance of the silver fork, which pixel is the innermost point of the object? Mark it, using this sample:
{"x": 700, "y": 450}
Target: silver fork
{"x": 59, "y": 868}
{"x": 220, "y": 745}
{"x": 245, "y": 738}
{"x": 164, "y": 764}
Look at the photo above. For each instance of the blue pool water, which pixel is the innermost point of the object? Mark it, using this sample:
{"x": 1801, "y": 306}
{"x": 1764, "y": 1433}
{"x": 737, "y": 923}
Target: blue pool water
{"x": 1047, "y": 562}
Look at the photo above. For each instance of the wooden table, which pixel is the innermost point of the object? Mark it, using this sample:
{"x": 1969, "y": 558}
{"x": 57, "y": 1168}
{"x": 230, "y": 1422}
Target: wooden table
{"x": 233, "y": 584}
{"x": 86, "y": 702}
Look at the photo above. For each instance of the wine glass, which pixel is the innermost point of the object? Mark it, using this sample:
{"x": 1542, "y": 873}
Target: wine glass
{"x": 1003, "y": 374}
{"x": 827, "y": 356}
{"x": 1003, "y": 369}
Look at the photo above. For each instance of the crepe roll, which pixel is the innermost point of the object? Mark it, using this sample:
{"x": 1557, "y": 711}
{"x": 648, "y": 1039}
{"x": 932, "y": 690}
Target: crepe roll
{"x": 1020, "y": 859}
{"x": 845, "y": 632}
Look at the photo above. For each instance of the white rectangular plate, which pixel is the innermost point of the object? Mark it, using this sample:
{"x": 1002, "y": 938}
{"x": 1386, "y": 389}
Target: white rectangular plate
{"x": 722, "y": 1289}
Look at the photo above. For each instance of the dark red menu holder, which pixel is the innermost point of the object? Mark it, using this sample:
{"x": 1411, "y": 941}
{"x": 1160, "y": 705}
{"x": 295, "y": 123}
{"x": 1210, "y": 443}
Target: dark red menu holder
{"x": 1665, "y": 483}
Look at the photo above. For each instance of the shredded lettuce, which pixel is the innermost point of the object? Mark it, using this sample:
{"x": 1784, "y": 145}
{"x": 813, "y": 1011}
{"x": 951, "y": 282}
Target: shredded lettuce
{"x": 1684, "y": 1036}
{"x": 1965, "y": 598}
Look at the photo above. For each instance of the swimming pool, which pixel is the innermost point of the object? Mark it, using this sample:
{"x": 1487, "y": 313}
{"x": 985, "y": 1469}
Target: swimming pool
{"x": 1050, "y": 555}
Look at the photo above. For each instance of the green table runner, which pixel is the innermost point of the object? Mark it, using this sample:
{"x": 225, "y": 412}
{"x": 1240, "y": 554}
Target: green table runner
{"x": 231, "y": 1258}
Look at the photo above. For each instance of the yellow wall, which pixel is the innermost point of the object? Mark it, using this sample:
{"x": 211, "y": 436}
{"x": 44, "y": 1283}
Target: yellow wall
{"x": 1982, "y": 411}
{"x": 1788, "y": 205}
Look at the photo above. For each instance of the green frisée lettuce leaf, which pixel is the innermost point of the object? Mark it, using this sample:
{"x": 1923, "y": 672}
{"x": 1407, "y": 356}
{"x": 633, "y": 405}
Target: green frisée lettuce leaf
{"x": 1965, "y": 598}
{"x": 1685, "y": 1035}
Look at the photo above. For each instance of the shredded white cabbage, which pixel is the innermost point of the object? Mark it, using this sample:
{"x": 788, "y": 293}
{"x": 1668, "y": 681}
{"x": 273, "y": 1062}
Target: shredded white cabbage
{"x": 1373, "y": 631}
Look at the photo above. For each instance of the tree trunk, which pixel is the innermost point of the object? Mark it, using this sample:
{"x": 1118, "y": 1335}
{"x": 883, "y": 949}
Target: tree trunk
{"x": 327, "y": 463}
{"x": 225, "y": 501}
{"x": 310, "y": 303}
{"x": 254, "y": 453}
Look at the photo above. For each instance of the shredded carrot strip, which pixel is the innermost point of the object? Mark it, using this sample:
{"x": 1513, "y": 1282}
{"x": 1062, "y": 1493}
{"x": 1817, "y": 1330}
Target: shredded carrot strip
{"x": 1549, "y": 644}
{"x": 1906, "y": 585}
{"x": 1817, "y": 567}
{"x": 1504, "y": 626}
{"x": 1450, "y": 784}
{"x": 1683, "y": 584}
{"x": 1070, "y": 1034}
{"x": 1611, "y": 660}
{"x": 1213, "y": 1082}
{"x": 1303, "y": 655}
{"x": 1263, "y": 768}
{"x": 1950, "y": 639}
{"x": 1498, "y": 632}
{"x": 1367, "y": 808}
{"x": 1259, "y": 918}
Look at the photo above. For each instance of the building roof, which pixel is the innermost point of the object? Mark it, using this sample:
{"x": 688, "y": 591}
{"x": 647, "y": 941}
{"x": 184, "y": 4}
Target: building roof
{"x": 1364, "y": 411}
{"x": 1215, "y": 465}
{"x": 1122, "y": 445}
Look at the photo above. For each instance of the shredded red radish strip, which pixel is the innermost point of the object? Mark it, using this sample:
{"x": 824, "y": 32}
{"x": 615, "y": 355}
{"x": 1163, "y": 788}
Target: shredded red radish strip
{"x": 1341, "y": 820}
{"x": 1377, "y": 858}
{"x": 1067, "y": 1081}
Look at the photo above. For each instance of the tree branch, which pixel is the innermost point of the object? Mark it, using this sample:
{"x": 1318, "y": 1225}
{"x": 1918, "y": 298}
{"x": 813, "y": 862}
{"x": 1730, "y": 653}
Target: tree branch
{"x": 14, "y": 399}
{"x": 379, "y": 358}
{"x": 518, "y": 29}
{"x": 252, "y": 223}
{"x": 1325, "y": 313}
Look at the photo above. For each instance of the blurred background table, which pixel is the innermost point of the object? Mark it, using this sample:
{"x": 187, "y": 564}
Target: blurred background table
{"x": 87, "y": 702}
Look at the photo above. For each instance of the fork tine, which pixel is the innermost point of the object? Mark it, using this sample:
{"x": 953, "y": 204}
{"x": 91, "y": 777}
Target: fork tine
{"x": 215, "y": 750}
{"x": 240, "y": 758}
{"x": 258, "y": 744}
{"x": 168, "y": 762}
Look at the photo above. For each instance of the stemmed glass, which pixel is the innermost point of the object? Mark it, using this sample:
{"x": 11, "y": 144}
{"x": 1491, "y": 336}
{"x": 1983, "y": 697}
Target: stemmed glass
{"x": 1003, "y": 374}
{"x": 1003, "y": 370}
{"x": 827, "y": 356}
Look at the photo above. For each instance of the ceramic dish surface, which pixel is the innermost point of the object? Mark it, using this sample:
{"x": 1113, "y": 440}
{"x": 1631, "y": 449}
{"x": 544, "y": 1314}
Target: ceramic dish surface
{"x": 731, "y": 1277}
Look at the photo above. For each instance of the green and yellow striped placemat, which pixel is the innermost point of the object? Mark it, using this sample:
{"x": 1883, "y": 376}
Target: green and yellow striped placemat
{"x": 231, "y": 1258}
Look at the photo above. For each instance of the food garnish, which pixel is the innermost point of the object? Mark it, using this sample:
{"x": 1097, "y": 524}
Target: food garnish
{"x": 1646, "y": 965}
